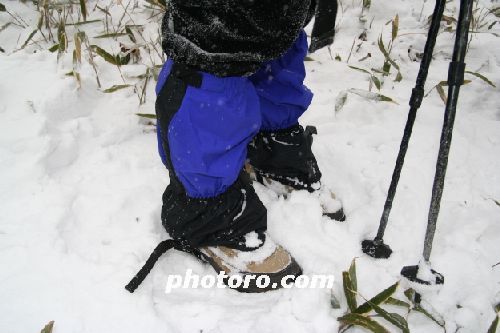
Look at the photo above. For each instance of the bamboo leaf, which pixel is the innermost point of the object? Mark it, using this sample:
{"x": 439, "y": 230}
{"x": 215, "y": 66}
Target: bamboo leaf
{"x": 2, "y": 8}
{"x": 377, "y": 299}
{"x": 359, "y": 69}
{"x": 372, "y": 96}
{"x": 394, "y": 318}
{"x": 426, "y": 313}
{"x": 493, "y": 326}
{"x": 352, "y": 275}
{"x": 54, "y": 48}
{"x": 334, "y": 302}
{"x": 482, "y": 77}
{"x": 84, "y": 22}
{"x": 399, "y": 77}
{"x": 130, "y": 34}
{"x": 83, "y": 8}
{"x": 116, "y": 87}
{"x": 395, "y": 27}
{"x": 32, "y": 34}
{"x": 61, "y": 36}
{"x": 340, "y": 100}
{"x": 350, "y": 295}
{"x": 362, "y": 321}
{"x": 397, "y": 302}
{"x": 77, "y": 58}
{"x": 111, "y": 35}
{"x": 441, "y": 93}
{"x": 48, "y": 328}
{"x": 376, "y": 82}
{"x": 146, "y": 115}
{"x": 3, "y": 27}
{"x": 385, "y": 53}
{"x": 112, "y": 59}
{"x": 410, "y": 294}
{"x": 495, "y": 11}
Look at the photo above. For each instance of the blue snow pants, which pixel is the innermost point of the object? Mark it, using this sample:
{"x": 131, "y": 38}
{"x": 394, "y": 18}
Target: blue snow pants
{"x": 216, "y": 119}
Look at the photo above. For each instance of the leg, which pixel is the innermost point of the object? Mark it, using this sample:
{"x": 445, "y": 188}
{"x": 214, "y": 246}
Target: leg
{"x": 282, "y": 150}
{"x": 205, "y": 124}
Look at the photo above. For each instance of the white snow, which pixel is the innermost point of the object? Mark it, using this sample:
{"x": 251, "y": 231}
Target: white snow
{"x": 81, "y": 186}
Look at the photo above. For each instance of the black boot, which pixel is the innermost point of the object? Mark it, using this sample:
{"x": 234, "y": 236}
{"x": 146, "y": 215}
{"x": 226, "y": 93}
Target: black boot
{"x": 285, "y": 156}
{"x": 227, "y": 232}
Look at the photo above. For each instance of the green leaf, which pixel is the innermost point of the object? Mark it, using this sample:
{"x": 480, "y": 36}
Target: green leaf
{"x": 495, "y": 11}
{"x": 350, "y": 295}
{"x": 371, "y": 95}
{"x": 83, "y": 8}
{"x": 2, "y": 8}
{"x": 54, "y": 48}
{"x": 399, "y": 77}
{"x": 359, "y": 69}
{"x": 334, "y": 301}
{"x": 395, "y": 27}
{"x": 84, "y": 22}
{"x": 497, "y": 307}
{"x": 116, "y": 87}
{"x": 397, "y": 302}
{"x": 352, "y": 275}
{"x": 340, "y": 100}
{"x": 61, "y": 37}
{"x": 32, "y": 34}
{"x": 376, "y": 82}
{"x": 377, "y": 299}
{"x": 493, "y": 326}
{"x": 441, "y": 93}
{"x": 48, "y": 328}
{"x": 146, "y": 115}
{"x": 362, "y": 321}
{"x": 29, "y": 38}
{"x": 426, "y": 313}
{"x": 308, "y": 58}
{"x": 410, "y": 294}
{"x": 112, "y": 59}
{"x": 3, "y": 27}
{"x": 130, "y": 34}
{"x": 394, "y": 318}
{"x": 385, "y": 53}
{"x": 482, "y": 77}
{"x": 111, "y": 35}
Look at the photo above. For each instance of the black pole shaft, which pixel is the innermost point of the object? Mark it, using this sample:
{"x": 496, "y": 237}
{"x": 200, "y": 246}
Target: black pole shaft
{"x": 455, "y": 80}
{"x": 415, "y": 102}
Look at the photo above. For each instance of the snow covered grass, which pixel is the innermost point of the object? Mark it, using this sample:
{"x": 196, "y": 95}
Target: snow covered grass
{"x": 81, "y": 182}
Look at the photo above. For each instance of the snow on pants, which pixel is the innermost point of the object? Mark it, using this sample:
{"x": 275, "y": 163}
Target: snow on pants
{"x": 211, "y": 119}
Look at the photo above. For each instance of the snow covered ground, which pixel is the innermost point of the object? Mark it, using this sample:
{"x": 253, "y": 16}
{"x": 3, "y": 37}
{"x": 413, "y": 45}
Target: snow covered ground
{"x": 81, "y": 185}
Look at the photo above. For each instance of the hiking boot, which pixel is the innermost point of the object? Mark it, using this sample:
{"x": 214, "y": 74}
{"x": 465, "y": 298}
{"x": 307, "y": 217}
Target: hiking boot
{"x": 283, "y": 161}
{"x": 226, "y": 231}
{"x": 260, "y": 270}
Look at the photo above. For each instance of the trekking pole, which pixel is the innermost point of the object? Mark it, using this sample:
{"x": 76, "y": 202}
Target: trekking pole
{"x": 376, "y": 247}
{"x": 455, "y": 80}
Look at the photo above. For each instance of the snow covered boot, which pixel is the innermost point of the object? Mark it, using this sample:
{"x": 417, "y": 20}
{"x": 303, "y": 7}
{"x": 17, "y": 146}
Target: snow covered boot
{"x": 284, "y": 161}
{"x": 266, "y": 268}
{"x": 226, "y": 231}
